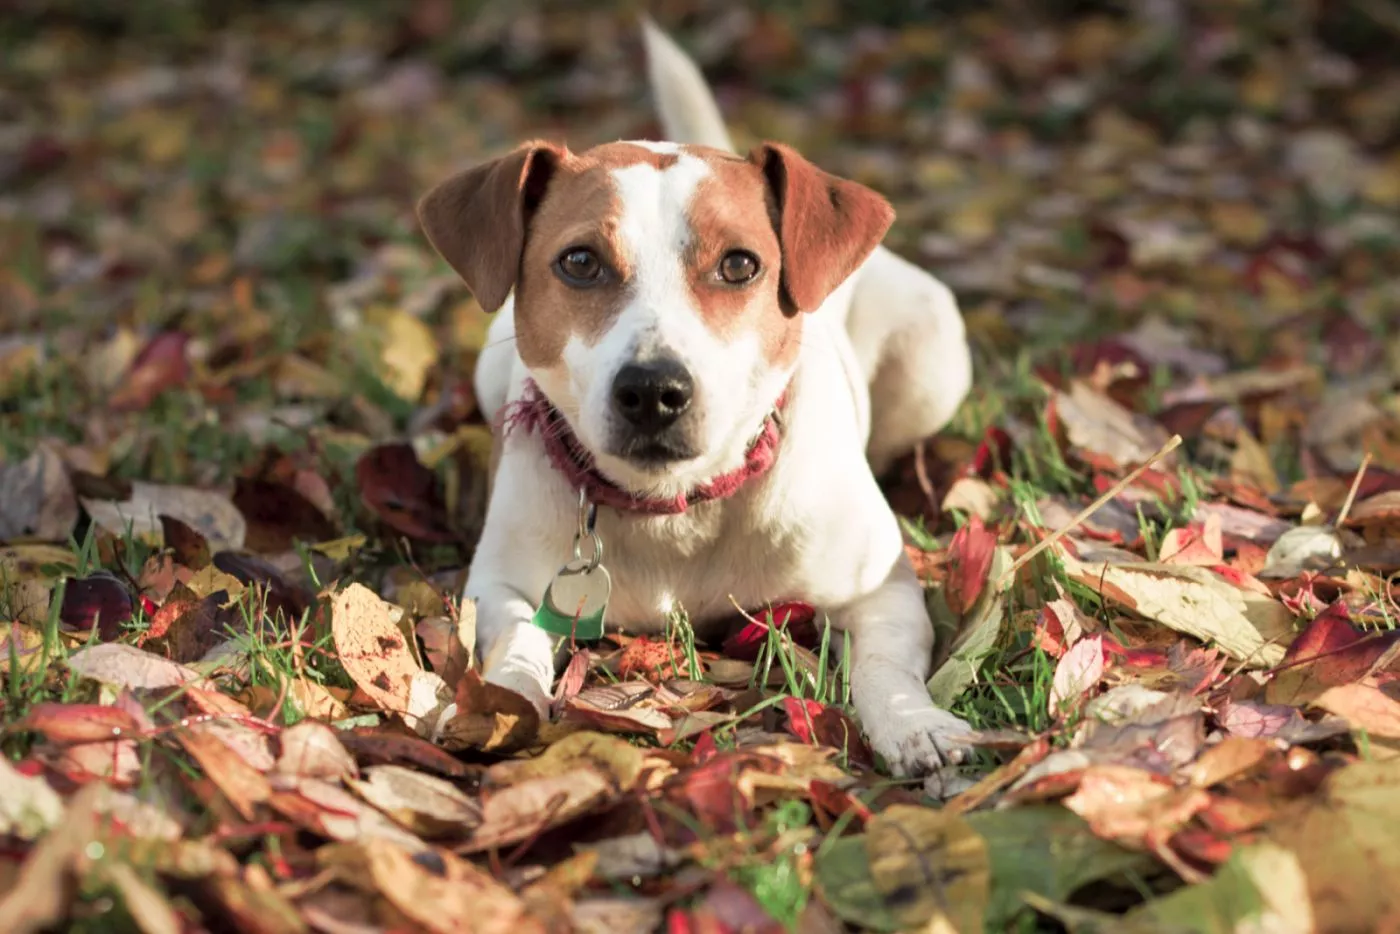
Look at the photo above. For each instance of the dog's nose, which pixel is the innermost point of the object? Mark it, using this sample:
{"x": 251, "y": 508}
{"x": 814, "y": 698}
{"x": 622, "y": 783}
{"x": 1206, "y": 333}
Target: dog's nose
{"x": 651, "y": 396}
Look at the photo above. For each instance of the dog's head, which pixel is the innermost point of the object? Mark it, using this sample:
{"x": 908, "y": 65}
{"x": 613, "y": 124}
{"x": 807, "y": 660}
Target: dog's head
{"x": 659, "y": 289}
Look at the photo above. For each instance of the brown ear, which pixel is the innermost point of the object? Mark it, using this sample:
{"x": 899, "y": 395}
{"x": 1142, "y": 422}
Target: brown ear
{"x": 477, "y": 219}
{"x": 827, "y": 225}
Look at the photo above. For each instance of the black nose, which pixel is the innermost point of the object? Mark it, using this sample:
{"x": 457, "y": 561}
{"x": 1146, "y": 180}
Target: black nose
{"x": 651, "y": 396}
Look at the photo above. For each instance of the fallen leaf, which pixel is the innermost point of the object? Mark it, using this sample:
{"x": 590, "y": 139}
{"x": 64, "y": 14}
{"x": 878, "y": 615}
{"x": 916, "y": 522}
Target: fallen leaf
{"x": 313, "y": 750}
{"x": 534, "y": 805}
{"x": 402, "y": 493}
{"x": 488, "y": 717}
{"x": 1077, "y": 672}
{"x": 99, "y": 601}
{"x": 37, "y": 502}
{"x": 1131, "y": 806}
{"x": 243, "y": 785}
{"x": 1329, "y": 651}
{"x": 1249, "y": 627}
{"x": 161, "y": 365}
{"x": 372, "y": 650}
{"x": 969, "y": 563}
{"x": 208, "y": 512}
{"x": 1201, "y": 546}
{"x": 28, "y": 806}
{"x": 38, "y": 894}
{"x": 1048, "y": 850}
{"x": 1364, "y": 707}
{"x": 78, "y": 723}
{"x": 127, "y": 666}
{"x": 1343, "y": 839}
{"x": 1096, "y": 424}
{"x": 430, "y": 807}
{"x": 970, "y": 640}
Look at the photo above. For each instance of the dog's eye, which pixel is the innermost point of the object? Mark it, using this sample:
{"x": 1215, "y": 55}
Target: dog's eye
{"x": 738, "y": 267}
{"x": 579, "y": 266}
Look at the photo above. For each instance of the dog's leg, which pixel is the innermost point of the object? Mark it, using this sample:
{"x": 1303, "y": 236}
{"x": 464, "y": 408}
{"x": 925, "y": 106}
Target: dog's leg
{"x": 891, "y": 649}
{"x": 518, "y": 654}
{"x": 909, "y": 337}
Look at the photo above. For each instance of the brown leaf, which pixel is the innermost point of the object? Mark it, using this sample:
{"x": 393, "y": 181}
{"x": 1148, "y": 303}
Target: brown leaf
{"x": 78, "y": 723}
{"x": 1329, "y": 651}
{"x": 39, "y": 895}
{"x": 381, "y": 745}
{"x": 1364, "y": 707}
{"x": 37, "y": 502}
{"x": 1131, "y": 806}
{"x": 537, "y": 804}
{"x": 279, "y": 516}
{"x": 243, "y": 785}
{"x": 371, "y": 648}
{"x": 489, "y": 717}
{"x": 254, "y": 910}
{"x": 1249, "y": 627}
{"x": 312, "y": 750}
{"x": 207, "y": 511}
{"x": 402, "y": 493}
{"x": 189, "y": 546}
{"x": 431, "y": 807}
{"x": 333, "y": 812}
{"x": 162, "y": 364}
{"x": 1096, "y": 424}
{"x": 125, "y": 665}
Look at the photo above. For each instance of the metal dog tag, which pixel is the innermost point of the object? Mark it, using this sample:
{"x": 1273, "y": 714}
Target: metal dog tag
{"x": 576, "y": 602}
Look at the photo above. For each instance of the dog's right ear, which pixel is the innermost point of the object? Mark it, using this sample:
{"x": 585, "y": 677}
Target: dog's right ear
{"x": 477, "y": 219}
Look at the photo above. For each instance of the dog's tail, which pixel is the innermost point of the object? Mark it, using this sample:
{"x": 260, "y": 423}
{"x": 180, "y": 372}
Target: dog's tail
{"x": 687, "y": 106}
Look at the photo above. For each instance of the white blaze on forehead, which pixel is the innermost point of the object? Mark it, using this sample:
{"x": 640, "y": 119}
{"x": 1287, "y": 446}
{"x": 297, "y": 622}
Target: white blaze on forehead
{"x": 654, "y": 229}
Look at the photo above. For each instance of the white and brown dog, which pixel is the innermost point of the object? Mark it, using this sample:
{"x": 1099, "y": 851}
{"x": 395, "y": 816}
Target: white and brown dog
{"x": 716, "y": 351}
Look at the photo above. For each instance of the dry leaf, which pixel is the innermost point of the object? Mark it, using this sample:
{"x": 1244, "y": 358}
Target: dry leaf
{"x": 1249, "y": 627}
{"x": 430, "y": 807}
{"x": 208, "y": 512}
{"x": 372, "y": 649}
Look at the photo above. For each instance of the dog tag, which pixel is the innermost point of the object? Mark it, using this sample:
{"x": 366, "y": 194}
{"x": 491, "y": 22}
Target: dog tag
{"x": 575, "y": 602}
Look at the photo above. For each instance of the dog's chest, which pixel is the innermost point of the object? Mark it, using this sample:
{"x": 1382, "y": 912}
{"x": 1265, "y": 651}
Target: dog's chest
{"x": 706, "y": 563}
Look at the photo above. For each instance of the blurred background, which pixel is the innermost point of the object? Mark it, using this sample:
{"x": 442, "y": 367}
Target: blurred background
{"x": 208, "y": 250}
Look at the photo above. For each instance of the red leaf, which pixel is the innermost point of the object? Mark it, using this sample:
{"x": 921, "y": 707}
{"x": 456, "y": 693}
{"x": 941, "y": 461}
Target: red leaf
{"x": 993, "y": 453}
{"x": 1329, "y": 652}
{"x": 278, "y": 516}
{"x": 402, "y": 492}
{"x": 798, "y": 620}
{"x": 160, "y": 365}
{"x": 78, "y": 723}
{"x": 652, "y": 660}
{"x": 705, "y": 748}
{"x": 99, "y": 600}
{"x": 969, "y": 563}
{"x": 820, "y": 725}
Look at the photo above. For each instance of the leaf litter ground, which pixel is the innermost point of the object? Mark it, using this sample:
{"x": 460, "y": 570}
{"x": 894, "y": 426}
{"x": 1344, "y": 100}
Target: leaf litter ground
{"x": 242, "y": 469}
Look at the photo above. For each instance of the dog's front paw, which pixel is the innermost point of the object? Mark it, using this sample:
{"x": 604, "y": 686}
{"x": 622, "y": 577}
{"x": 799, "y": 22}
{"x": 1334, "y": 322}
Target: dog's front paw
{"x": 526, "y": 686}
{"x": 920, "y": 743}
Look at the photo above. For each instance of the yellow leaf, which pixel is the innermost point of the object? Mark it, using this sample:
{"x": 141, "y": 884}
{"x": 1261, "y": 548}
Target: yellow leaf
{"x": 408, "y": 350}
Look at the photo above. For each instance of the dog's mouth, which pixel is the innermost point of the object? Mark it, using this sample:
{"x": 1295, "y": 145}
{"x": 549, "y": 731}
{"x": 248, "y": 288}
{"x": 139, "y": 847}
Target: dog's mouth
{"x": 654, "y": 451}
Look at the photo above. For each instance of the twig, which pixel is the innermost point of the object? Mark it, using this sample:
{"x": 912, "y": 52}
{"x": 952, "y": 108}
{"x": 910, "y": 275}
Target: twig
{"x": 1172, "y": 444}
{"x": 1351, "y": 494}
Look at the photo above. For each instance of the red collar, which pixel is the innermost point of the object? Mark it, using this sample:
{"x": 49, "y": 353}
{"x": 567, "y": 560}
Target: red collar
{"x": 533, "y": 412}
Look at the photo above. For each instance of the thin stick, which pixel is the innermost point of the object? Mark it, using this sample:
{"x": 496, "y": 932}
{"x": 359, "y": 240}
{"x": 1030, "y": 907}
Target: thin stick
{"x": 1172, "y": 444}
{"x": 1351, "y": 494}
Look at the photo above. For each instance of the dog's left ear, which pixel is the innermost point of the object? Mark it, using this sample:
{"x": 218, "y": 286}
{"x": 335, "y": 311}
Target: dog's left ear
{"x": 827, "y": 225}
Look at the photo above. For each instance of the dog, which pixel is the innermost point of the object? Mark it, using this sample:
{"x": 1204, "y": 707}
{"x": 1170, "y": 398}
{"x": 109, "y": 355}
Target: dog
{"x": 700, "y": 363}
